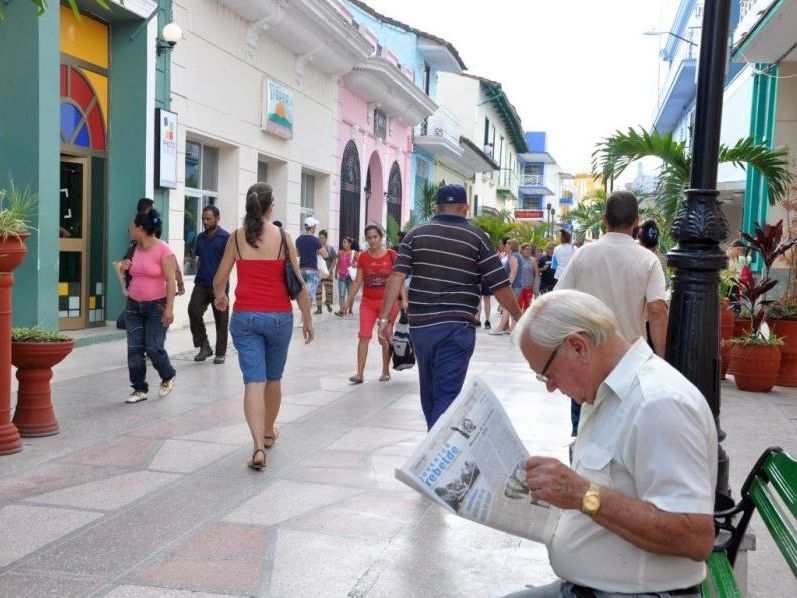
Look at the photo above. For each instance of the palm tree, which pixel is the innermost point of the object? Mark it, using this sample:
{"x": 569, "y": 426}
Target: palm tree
{"x": 588, "y": 216}
{"x": 616, "y": 152}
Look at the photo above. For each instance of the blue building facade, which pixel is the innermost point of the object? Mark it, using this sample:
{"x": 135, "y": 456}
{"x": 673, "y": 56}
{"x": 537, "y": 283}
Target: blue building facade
{"x": 543, "y": 192}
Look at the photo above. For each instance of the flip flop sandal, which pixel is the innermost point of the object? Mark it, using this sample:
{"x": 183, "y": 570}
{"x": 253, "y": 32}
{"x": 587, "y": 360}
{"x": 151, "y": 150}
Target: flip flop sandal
{"x": 384, "y": 378}
{"x": 270, "y": 440}
{"x": 356, "y": 379}
{"x": 254, "y": 465}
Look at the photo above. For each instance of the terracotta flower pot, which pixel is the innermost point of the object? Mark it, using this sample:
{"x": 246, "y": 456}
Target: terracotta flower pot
{"x": 726, "y": 332}
{"x": 34, "y": 415}
{"x": 739, "y": 328}
{"x": 755, "y": 367}
{"x": 787, "y": 329}
{"x": 12, "y": 252}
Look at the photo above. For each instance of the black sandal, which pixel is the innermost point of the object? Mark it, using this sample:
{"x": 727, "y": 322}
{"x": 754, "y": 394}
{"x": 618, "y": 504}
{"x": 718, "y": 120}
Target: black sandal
{"x": 258, "y": 466}
{"x": 270, "y": 440}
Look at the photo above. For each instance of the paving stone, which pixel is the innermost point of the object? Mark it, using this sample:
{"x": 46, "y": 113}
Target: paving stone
{"x": 48, "y": 477}
{"x": 40, "y": 586}
{"x": 235, "y": 434}
{"x": 185, "y": 456}
{"x": 108, "y": 494}
{"x": 27, "y": 528}
{"x": 314, "y": 397}
{"x": 368, "y": 439}
{"x": 134, "y": 591}
{"x": 127, "y": 451}
{"x": 214, "y": 576}
{"x": 310, "y": 564}
{"x": 224, "y": 541}
{"x": 283, "y": 500}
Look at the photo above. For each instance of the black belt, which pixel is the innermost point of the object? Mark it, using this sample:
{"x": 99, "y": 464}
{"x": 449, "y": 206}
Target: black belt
{"x": 585, "y": 592}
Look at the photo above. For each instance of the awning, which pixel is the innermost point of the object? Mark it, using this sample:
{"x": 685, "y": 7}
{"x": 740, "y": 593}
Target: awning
{"x": 769, "y": 36}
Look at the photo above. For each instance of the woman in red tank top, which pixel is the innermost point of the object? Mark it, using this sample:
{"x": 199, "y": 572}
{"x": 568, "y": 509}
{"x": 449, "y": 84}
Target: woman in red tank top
{"x": 373, "y": 269}
{"x": 262, "y": 317}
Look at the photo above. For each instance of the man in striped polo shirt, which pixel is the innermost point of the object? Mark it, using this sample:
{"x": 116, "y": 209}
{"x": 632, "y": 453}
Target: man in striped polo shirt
{"x": 449, "y": 260}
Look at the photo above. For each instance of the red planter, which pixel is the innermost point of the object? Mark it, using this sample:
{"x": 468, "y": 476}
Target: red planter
{"x": 34, "y": 415}
{"x": 739, "y": 328}
{"x": 787, "y": 376}
{"x": 755, "y": 367}
{"x": 12, "y": 252}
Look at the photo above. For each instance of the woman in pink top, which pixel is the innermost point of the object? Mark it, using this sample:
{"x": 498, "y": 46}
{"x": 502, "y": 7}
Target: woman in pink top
{"x": 150, "y": 306}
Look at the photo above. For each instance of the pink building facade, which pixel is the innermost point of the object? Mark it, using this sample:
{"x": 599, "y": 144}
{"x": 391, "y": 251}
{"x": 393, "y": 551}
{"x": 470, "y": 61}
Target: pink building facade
{"x": 378, "y": 106}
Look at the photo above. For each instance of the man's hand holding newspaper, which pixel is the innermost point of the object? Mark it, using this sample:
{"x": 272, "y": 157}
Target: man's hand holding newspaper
{"x": 474, "y": 464}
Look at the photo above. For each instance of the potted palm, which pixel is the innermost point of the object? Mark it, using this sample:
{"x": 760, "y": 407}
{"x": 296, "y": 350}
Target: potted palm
{"x": 782, "y": 315}
{"x": 34, "y": 352}
{"x": 755, "y": 354}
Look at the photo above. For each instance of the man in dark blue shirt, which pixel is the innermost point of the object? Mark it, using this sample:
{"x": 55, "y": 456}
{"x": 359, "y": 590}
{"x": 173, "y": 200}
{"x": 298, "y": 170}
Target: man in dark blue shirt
{"x": 309, "y": 247}
{"x": 209, "y": 248}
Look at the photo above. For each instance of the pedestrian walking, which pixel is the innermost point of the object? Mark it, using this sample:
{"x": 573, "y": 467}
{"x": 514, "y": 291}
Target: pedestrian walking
{"x": 310, "y": 248}
{"x": 373, "y": 269}
{"x": 527, "y": 276}
{"x": 150, "y": 306}
{"x": 648, "y": 237}
{"x": 325, "y": 284}
{"x": 209, "y": 249}
{"x": 626, "y": 277}
{"x": 145, "y": 204}
{"x": 262, "y": 317}
{"x": 346, "y": 260}
{"x": 563, "y": 253}
{"x": 486, "y": 295}
{"x": 512, "y": 267}
{"x": 450, "y": 261}
{"x": 546, "y": 270}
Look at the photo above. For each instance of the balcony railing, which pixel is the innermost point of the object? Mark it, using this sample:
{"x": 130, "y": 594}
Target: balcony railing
{"x": 442, "y": 123}
{"x": 533, "y": 180}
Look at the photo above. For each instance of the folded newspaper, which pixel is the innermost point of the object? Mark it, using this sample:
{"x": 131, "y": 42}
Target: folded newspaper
{"x": 472, "y": 463}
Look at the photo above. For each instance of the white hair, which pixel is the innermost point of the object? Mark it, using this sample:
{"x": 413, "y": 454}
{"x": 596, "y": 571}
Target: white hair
{"x": 556, "y": 315}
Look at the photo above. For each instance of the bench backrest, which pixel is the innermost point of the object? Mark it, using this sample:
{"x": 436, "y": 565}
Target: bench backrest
{"x": 779, "y": 473}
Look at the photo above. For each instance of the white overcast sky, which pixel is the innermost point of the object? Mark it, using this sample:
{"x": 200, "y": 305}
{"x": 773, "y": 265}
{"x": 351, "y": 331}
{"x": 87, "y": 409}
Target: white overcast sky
{"x": 578, "y": 69}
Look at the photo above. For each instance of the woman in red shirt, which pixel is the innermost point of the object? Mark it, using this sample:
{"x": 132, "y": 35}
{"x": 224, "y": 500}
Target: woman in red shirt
{"x": 373, "y": 269}
{"x": 262, "y": 316}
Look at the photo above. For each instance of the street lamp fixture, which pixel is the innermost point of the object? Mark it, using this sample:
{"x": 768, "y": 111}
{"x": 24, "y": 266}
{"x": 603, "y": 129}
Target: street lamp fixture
{"x": 675, "y": 35}
{"x": 171, "y": 34}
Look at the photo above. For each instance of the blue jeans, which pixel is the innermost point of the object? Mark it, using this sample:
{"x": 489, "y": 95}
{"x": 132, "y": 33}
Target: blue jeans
{"x": 146, "y": 336}
{"x": 442, "y": 353}
{"x": 344, "y": 284}
{"x": 311, "y": 279}
{"x": 261, "y": 339}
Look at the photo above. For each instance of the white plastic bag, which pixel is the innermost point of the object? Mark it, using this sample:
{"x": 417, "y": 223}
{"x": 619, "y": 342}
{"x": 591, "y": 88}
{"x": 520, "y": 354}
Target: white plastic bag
{"x": 323, "y": 271}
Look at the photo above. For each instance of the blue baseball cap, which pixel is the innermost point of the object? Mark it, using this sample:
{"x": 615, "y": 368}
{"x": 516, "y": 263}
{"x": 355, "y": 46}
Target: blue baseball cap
{"x": 451, "y": 194}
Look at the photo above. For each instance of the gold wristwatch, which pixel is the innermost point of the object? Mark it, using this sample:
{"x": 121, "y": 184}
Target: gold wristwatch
{"x": 591, "y": 501}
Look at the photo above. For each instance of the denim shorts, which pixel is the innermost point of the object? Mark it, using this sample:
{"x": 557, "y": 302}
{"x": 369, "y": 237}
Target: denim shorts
{"x": 261, "y": 339}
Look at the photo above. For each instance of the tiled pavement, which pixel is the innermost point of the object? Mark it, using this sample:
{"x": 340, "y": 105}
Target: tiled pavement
{"x": 154, "y": 499}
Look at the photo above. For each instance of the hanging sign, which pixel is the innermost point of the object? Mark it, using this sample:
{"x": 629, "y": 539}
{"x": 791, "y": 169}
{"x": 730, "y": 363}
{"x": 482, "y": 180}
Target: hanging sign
{"x": 165, "y": 148}
{"x": 277, "y": 109}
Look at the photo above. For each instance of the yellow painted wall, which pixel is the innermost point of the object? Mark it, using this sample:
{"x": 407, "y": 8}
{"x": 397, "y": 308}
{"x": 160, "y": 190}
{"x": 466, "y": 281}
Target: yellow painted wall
{"x": 86, "y": 39}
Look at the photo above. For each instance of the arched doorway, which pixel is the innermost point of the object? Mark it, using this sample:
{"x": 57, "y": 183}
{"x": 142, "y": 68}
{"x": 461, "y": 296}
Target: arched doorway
{"x": 350, "y": 192}
{"x": 375, "y": 190}
{"x": 394, "y": 194}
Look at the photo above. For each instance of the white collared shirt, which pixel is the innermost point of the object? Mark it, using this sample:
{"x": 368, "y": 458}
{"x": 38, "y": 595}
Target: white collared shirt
{"x": 650, "y": 435}
{"x": 622, "y": 274}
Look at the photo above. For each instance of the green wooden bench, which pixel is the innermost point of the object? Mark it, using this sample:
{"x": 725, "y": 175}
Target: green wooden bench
{"x": 770, "y": 488}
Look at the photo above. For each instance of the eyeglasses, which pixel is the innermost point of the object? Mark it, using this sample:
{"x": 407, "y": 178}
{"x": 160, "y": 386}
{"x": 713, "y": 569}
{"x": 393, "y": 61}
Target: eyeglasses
{"x": 541, "y": 376}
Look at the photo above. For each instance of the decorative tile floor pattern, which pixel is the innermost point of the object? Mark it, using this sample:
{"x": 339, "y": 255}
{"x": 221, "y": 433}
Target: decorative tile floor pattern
{"x": 154, "y": 499}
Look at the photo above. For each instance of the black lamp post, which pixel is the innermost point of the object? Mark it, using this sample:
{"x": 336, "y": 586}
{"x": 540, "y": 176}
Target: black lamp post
{"x": 693, "y": 340}
{"x": 548, "y": 216}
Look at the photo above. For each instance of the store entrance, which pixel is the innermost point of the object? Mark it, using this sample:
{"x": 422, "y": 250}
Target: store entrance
{"x": 73, "y": 244}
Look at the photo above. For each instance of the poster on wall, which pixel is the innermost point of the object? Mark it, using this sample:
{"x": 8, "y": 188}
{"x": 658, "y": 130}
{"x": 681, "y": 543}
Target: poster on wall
{"x": 165, "y": 148}
{"x": 277, "y": 109}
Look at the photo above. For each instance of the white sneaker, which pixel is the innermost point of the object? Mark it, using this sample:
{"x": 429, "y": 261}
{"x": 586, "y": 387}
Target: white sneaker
{"x": 136, "y": 397}
{"x": 166, "y": 387}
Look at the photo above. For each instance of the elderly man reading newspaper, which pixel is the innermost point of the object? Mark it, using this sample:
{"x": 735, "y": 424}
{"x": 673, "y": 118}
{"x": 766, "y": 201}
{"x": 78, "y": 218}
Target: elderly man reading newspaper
{"x": 636, "y": 507}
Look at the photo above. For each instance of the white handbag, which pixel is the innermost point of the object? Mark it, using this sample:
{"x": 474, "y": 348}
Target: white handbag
{"x": 323, "y": 271}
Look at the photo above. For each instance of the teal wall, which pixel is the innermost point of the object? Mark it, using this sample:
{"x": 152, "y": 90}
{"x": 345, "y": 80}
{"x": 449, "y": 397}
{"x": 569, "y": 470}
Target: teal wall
{"x": 29, "y": 149}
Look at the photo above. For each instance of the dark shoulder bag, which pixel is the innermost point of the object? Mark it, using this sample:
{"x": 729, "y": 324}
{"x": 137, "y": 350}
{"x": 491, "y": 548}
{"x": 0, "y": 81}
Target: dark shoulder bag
{"x": 294, "y": 283}
{"x": 121, "y": 321}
